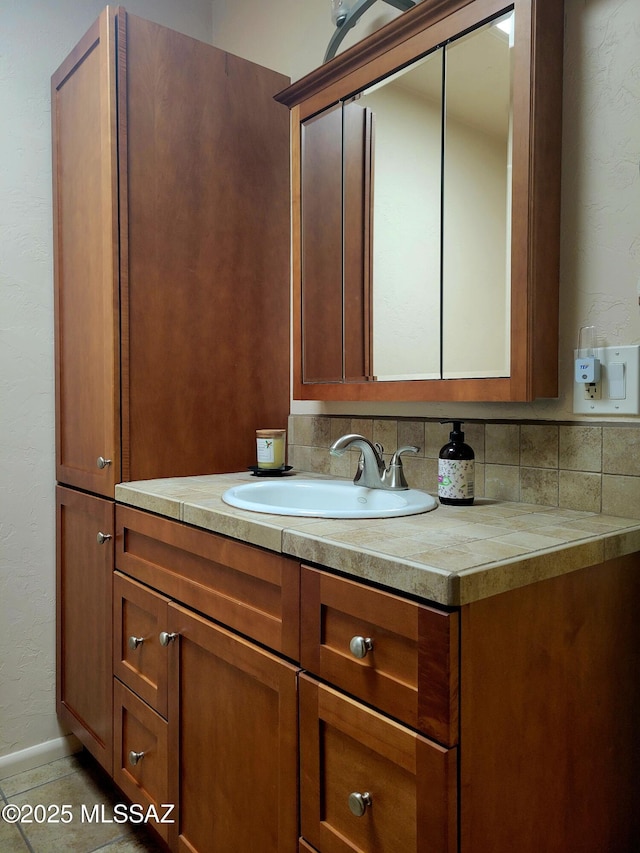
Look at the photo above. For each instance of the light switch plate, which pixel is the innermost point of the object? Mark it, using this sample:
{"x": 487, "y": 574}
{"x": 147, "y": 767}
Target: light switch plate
{"x": 619, "y": 383}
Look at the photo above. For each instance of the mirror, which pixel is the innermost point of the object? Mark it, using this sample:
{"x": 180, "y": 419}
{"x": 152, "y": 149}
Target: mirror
{"x": 406, "y": 233}
{"x": 476, "y": 224}
{"x": 411, "y": 178}
{"x": 426, "y": 229}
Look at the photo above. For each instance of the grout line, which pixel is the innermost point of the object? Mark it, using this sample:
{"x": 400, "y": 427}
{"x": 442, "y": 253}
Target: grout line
{"x": 108, "y": 844}
{"x": 26, "y": 840}
{"x": 17, "y": 825}
{"x": 85, "y": 775}
{"x": 42, "y": 784}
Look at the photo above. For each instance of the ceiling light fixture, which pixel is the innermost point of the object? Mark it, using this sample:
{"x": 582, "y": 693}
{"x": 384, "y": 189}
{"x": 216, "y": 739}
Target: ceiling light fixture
{"x": 345, "y": 15}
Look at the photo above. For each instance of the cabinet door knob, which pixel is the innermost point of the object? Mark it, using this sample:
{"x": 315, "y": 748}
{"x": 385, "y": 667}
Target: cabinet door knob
{"x": 166, "y": 638}
{"x": 358, "y": 803}
{"x": 102, "y": 462}
{"x": 359, "y": 646}
{"x": 135, "y": 757}
{"x": 134, "y": 642}
{"x": 103, "y": 537}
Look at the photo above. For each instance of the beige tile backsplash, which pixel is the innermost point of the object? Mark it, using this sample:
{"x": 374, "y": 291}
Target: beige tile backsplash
{"x": 595, "y": 468}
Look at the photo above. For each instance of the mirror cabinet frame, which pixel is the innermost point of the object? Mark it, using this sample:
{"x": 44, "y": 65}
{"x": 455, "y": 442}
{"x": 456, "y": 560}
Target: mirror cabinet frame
{"x": 535, "y": 226}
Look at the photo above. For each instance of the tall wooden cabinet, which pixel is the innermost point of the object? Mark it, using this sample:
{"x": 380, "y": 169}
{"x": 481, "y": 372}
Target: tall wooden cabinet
{"x": 171, "y": 246}
{"x": 171, "y": 203}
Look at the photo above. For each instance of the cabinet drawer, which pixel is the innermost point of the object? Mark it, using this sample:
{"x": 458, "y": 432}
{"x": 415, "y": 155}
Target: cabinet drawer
{"x": 141, "y": 760}
{"x": 411, "y": 669}
{"x": 253, "y": 591}
{"x": 352, "y": 756}
{"x": 139, "y": 660}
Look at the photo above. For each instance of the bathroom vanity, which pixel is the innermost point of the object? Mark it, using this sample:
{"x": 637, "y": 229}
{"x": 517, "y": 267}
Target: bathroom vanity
{"x": 317, "y": 685}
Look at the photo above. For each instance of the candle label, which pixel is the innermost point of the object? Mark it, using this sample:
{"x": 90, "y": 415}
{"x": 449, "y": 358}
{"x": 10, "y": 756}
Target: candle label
{"x": 270, "y": 448}
{"x": 266, "y": 450}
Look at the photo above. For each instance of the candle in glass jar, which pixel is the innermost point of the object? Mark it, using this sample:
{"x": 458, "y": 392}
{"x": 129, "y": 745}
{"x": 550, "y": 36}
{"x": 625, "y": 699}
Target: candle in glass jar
{"x": 270, "y": 446}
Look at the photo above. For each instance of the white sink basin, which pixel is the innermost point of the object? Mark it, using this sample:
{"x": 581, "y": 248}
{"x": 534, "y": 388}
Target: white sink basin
{"x": 326, "y": 499}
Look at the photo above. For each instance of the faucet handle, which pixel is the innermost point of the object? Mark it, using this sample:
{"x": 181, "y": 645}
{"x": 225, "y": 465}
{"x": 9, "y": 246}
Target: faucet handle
{"x": 395, "y": 473}
{"x": 408, "y": 448}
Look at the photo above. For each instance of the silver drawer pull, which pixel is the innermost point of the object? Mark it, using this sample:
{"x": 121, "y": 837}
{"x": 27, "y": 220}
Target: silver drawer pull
{"x": 359, "y": 646}
{"x": 135, "y": 757}
{"x": 134, "y": 642}
{"x": 166, "y": 638}
{"x": 358, "y": 803}
{"x": 101, "y": 538}
{"x": 101, "y": 462}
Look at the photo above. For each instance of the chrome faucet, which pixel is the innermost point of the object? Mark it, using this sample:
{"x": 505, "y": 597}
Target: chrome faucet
{"x": 371, "y": 468}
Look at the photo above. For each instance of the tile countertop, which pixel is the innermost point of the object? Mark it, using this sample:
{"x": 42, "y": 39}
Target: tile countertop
{"x": 451, "y": 556}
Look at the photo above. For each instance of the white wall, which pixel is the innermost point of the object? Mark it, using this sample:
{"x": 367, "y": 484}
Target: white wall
{"x": 600, "y": 265}
{"x": 290, "y": 36}
{"x": 35, "y": 36}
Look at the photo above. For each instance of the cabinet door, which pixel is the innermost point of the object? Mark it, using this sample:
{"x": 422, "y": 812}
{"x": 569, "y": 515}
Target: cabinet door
{"x": 205, "y": 270}
{"x": 368, "y": 784}
{"x": 233, "y": 741}
{"x": 84, "y": 681}
{"x": 85, "y": 217}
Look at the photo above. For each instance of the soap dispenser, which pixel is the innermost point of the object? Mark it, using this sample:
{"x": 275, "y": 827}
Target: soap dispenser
{"x": 456, "y": 475}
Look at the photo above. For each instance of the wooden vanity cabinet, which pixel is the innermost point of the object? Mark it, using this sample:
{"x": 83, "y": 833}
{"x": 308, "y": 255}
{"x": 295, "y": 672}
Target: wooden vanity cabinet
{"x": 205, "y": 718}
{"x": 508, "y": 723}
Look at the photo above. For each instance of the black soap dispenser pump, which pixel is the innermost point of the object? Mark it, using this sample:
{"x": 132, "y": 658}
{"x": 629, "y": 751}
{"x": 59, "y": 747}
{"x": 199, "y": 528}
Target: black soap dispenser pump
{"x": 456, "y": 474}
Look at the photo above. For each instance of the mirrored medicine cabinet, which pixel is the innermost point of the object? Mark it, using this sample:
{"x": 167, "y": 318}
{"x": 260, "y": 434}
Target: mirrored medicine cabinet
{"x": 426, "y": 178}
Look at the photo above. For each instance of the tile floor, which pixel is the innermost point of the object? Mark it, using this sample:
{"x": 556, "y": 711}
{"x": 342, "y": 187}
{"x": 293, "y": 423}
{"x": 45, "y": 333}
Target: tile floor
{"x": 79, "y": 782}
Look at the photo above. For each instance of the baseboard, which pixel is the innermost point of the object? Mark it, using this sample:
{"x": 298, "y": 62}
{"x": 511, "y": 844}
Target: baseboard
{"x": 41, "y": 753}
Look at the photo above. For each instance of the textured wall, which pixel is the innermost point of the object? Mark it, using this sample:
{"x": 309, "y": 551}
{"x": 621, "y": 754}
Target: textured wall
{"x": 35, "y": 36}
{"x": 600, "y": 272}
